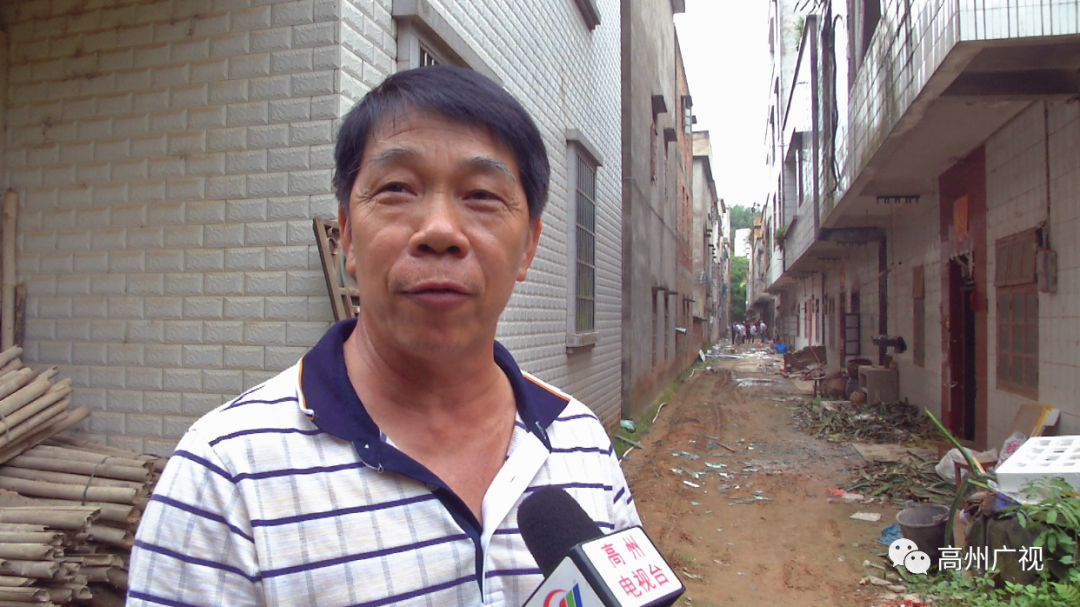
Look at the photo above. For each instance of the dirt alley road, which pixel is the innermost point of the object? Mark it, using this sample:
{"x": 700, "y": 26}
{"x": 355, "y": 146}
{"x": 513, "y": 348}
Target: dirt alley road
{"x": 729, "y": 547}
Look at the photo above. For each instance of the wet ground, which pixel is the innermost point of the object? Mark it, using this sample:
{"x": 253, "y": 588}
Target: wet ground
{"x": 738, "y": 501}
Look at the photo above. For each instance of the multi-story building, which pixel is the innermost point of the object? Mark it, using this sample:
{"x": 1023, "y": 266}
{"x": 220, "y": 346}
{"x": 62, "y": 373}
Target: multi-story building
{"x": 655, "y": 163}
{"x": 712, "y": 299}
{"x": 743, "y": 242}
{"x": 169, "y": 156}
{"x": 689, "y": 335}
{"x": 929, "y": 148}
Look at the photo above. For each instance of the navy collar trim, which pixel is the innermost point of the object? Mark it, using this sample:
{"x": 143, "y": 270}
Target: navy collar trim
{"x": 336, "y": 409}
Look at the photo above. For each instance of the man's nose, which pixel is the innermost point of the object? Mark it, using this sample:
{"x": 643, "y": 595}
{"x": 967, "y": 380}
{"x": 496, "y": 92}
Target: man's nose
{"x": 441, "y": 227}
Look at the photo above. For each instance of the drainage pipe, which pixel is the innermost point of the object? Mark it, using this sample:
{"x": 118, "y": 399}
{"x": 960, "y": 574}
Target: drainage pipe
{"x": 883, "y": 294}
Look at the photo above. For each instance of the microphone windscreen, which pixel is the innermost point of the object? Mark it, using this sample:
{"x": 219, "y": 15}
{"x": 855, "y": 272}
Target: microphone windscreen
{"x": 552, "y": 523}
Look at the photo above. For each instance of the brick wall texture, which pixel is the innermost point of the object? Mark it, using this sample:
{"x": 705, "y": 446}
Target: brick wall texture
{"x": 169, "y": 156}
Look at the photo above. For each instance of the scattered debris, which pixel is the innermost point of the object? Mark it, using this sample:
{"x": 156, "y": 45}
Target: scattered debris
{"x": 629, "y": 441}
{"x": 890, "y": 534}
{"x": 689, "y": 484}
{"x": 628, "y": 425}
{"x": 842, "y": 422}
{"x": 847, "y": 496}
{"x": 755, "y": 382}
{"x": 892, "y": 452}
{"x": 810, "y": 356}
{"x": 901, "y": 482}
{"x": 870, "y": 517}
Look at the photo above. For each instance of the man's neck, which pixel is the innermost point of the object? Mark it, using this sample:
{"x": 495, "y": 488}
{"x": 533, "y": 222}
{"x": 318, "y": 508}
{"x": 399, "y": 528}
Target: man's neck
{"x": 448, "y": 385}
{"x": 453, "y": 416}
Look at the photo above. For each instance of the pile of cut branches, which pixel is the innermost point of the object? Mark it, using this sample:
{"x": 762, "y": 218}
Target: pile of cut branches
{"x": 902, "y": 481}
{"x": 843, "y": 422}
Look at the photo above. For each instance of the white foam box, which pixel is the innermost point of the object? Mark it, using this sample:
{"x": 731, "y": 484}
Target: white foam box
{"x": 1041, "y": 457}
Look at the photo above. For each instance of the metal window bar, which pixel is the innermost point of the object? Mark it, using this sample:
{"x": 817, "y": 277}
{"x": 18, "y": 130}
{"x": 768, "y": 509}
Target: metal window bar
{"x": 585, "y": 256}
{"x": 427, "y": 58}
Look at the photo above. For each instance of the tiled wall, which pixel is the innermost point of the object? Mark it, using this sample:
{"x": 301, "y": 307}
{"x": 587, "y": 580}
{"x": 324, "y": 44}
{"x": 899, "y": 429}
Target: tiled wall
{"x": 1016, "y": 173}
{"x": 169, "y": 156}
{"x": 913, "y": 241}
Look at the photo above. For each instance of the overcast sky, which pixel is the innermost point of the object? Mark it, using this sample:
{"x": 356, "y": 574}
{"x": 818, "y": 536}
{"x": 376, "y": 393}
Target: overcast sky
{"x": 726, "y": 52}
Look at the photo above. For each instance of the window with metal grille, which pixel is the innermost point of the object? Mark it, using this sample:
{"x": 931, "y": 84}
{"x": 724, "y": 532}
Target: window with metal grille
{"x": 1018, "y": 340}
{"x": 1017, "y": 314}
{"x": 427, "y": 57}
{"x": 585, "y": 247}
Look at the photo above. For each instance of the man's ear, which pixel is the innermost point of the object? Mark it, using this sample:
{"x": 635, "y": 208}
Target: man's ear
{"x": 535, "y": 227}
{"x": 346, "y": 242}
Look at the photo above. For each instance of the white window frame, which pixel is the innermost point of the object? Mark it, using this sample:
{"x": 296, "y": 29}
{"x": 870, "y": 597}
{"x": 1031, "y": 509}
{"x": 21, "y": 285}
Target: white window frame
{"x": 421, "y": 29}
{"x": 579, "y": 150}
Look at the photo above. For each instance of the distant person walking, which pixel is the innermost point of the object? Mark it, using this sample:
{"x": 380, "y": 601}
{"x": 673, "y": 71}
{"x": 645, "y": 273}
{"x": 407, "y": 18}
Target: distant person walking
{"x": 734, "y": 332}
{"x": 753, "y": 333}
{"x": 742, "y": 333}
{"x": 763, "y": 331}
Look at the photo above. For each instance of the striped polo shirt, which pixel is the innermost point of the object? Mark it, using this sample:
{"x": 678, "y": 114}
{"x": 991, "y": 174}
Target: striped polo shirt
{"x": 290, "y": 495}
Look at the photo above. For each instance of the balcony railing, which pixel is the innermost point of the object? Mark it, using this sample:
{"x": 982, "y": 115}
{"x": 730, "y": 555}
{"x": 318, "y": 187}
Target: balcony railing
{"x": 912, "y": 39}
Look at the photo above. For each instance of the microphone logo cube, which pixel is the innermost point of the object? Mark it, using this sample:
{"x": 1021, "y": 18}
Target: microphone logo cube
{"x": 631, "y": 568}
{"x": 569, "y": 598}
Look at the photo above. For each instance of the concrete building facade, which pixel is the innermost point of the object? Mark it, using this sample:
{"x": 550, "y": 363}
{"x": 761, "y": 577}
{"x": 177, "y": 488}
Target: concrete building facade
{"x": 169, "y": 156}
{"x": 652, "y": 162}
{"x": 712, "y": 298}
{"x": 689, "y": 335}
{"x": 941, "y": 202}
{"x": 743, "y": 242}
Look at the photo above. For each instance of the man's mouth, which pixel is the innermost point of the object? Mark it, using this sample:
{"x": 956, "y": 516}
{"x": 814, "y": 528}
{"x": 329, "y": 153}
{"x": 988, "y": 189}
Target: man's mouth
{"x": 441, "y": 287}
{"x": 438, "y": 294}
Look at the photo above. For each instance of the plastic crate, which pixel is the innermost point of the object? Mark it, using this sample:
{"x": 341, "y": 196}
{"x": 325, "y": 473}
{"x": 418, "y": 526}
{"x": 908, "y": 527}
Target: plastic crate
{"x": 1041, "y": 457}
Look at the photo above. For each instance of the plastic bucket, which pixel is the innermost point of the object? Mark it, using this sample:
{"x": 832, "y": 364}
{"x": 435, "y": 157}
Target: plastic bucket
{"x": 925, "y": 525}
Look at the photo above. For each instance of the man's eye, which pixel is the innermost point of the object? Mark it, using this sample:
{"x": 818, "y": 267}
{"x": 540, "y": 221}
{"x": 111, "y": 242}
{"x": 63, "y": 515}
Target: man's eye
{"x": 483, "y": 195}
{"x": 393, "y": 187}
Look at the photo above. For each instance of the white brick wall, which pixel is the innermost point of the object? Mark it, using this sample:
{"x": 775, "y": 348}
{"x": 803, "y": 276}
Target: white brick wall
{"x": 169, "y": 156}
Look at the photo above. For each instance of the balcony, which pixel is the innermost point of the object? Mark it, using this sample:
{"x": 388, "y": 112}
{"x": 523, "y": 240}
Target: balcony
{"x": 937, "y": 80}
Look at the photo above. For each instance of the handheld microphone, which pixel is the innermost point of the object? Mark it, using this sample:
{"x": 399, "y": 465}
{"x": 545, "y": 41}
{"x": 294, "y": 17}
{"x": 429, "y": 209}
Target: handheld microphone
{"x": 583, "y": 567}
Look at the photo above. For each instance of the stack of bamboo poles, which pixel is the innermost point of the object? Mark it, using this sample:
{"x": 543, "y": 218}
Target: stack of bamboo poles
{"x": 32, "y": 408}
{"x": 66, "y": 535}
{"x": 69, "y": 508}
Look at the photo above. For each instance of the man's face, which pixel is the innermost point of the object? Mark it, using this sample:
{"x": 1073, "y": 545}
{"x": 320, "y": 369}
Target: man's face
{"x": 438, "y": 233}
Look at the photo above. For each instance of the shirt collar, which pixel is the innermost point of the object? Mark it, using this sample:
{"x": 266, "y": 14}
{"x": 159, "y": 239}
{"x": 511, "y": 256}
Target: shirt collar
{"x": 330, "y": 399}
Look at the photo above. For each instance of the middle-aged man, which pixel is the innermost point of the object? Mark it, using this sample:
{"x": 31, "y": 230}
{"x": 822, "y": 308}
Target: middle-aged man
{"x": 387, "y": 466}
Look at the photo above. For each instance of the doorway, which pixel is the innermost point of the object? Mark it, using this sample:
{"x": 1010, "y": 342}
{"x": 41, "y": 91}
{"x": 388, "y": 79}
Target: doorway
{"x": 962, "y": 220}
{"x": 962, "y": 331}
